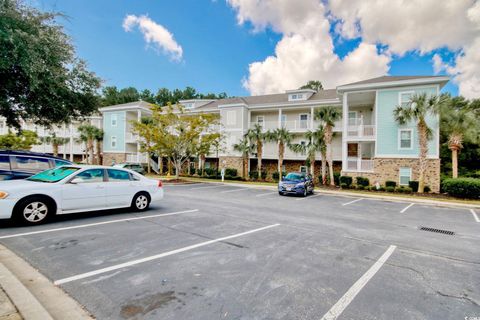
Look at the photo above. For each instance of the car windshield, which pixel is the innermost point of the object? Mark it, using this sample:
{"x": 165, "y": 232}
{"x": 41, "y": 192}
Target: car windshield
{"x": 53, "y": 175}
{"x": 294, "y": 177}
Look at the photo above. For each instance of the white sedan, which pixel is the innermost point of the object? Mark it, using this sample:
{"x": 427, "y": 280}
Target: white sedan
{"x": 73, "y": 188}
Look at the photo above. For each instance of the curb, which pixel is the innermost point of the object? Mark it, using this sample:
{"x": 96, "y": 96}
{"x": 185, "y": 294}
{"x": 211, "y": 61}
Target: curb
{"x": 26, "y": 304}
{"x": 56, "y": 304}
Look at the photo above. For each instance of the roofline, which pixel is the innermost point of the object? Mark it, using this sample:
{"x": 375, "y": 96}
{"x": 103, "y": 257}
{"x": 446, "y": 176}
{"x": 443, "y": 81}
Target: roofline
{"x": 301, "y": 90}
{"x": 119, "y": 107}
{"x": 380, "y": 85}
{"x": 195, "y": 100}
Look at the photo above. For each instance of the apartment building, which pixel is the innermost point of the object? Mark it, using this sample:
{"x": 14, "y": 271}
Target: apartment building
{"x": 367, "y": 141}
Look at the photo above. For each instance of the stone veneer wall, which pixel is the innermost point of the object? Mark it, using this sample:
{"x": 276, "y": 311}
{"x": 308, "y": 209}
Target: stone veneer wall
{"x": 118, "y": 157}
{"x": 389, "y": 169}
{"x": 232, "y": 162}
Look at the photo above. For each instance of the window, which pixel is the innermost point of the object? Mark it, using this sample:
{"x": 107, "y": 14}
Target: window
{"x": 404, "y": 98}
{"x": 260, "y": 120}
{"x": 405, "y": 139}
{"x": 231, "y": 118}
{"x": 303, "y": 169}
{"x": 59, "y": 163}
{"x": 113, "y": 142}
{"x": 352, "y": 118}
{"x": 303, "y": 143}
{"x": 30, "y": 163}
{"x": 53, "y": 175}
{"x": 92, "y": 175}
{"x": 283, "y": 120}
{"x": 294, "y": 97}
{"x": 4, "y": 162}
{"x": 405, "y": 176}
{"x": 117, "y": 175}
{"x": 114, "y": 120}
{"x": 304, "y": 120}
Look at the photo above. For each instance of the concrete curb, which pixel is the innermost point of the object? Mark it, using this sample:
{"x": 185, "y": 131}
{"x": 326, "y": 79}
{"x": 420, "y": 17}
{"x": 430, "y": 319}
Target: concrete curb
{"x": 24, "y": 301}
{"x": 56, "y": 303}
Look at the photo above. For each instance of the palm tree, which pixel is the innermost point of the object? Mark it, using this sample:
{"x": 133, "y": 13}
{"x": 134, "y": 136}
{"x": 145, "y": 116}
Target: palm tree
{"x": 245, "y": 148}
{"x": 256, "y": 136}
{"x": 99, "y": 133}
{"x": 283, "y": 138}
{"x": 54, "y": 141}
{"x": 459, "y": 123}
{"x": 328, "y": 116}
{"x": 417, "y": 110}
{"x": 88, "y": 134}
{"x": 314, "y": 143}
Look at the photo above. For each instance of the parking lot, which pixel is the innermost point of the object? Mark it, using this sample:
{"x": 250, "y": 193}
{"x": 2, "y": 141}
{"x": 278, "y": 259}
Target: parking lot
{"x": 213, "y": 251}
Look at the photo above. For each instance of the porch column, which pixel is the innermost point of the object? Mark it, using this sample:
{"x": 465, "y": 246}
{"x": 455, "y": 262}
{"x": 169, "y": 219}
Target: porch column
{"x": 359, "y": 156}
{"x": 311, "y": 118}
{"x": 249, "y": 119}
{"x": 345, "y": 131}
{"x": 139, "y": 118}
{"x": 71, "y": 142}
{"x": 279, "y": 118}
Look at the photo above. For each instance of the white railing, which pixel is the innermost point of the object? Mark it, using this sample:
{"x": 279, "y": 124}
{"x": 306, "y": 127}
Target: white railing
{"x": 154, "y": 165}
{"x": 360, "y": 165}
{"x": 361, "y": 131}
{"x": 137, "y": 157}
{"x": 131, "y": 137}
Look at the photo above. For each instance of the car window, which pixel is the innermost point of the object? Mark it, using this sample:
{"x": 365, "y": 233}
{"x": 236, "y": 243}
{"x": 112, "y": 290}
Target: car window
{"x": 294, "y": 177}
{"x": 53, "y": 175}
{"x": 59, "y": 163}
{"x": 4, "y": 162}
{"x": 118, "y": 175}
{"x": 91, "y": 175}
{"x": 32, "y": 163}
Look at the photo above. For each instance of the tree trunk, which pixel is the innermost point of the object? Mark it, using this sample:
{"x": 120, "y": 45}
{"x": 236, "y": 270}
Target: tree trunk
{"x": 312, "y": 166}
{"x": 259, "y": 159}
{"x": 169, "y": 166}
{"x": 328, "y": 142}
{"x": 99, "y": 151}
{"x": 324, "y": 168}
{"x": 202, "y": 164}
{"x": 178, "y": 166}
{"x": 188, "y": 167}
{"x": 55, "y": 149}
{"x": 91, "y": 159}
{"x": 160, "y": 165}
{"x": 423, "y": 142}
{"x": 454, "y": 162}
{"x": 281, "y": 152}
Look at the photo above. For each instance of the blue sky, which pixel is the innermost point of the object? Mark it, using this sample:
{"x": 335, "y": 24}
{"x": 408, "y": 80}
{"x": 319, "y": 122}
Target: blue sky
{"x": 217, "y": 50}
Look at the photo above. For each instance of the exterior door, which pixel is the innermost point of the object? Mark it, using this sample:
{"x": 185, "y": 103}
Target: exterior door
{"x": 120, "y": 188}
{"x": 88, "y": 194}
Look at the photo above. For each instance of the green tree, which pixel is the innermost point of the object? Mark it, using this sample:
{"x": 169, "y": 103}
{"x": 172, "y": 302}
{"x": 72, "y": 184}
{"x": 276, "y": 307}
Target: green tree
{"x": 417, "y": 111}
{"x": 245, "y": 148}
{"x": 23, "y": 140}
{"x": 314, "y": 85}
{"x": 283, "y": 138}
{"x": 145, "y": 128}
{"x": 89, "y": 134}
{"x": 314, "y": 143}
{"x": 328, "y": 116}
{"x": 206, "y": 143}
{"x": 40, "y": 77}
{"x": 257, "y": 136}
{"x": 54, "y": 141}
{"x": 99, "y": 133}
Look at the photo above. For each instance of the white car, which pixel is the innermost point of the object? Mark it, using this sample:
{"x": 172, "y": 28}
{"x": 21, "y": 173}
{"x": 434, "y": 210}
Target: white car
{"x": 74, "y": 188}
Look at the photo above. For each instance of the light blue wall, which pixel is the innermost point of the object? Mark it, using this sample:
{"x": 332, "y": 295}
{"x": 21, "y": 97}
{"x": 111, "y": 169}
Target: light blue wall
{"x": 387, "y": 128}
{"x": 118, "y": 131}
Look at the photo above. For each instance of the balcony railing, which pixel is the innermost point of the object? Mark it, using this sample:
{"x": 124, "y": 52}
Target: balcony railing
{"x": 137, "y": 157}
{"x": 359, "y": 165}
{"x": 361, "y": 131}
{"x": 130, "y": 137}
{"x": 294, "y": 125}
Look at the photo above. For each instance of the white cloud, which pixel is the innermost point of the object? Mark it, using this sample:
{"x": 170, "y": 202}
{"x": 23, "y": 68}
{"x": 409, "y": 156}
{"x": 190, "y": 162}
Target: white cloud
{"x": 154, "y": 34}
{"x": 306, "y": 50}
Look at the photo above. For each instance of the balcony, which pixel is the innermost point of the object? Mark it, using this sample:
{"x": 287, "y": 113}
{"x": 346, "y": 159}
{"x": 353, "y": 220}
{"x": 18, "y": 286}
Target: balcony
{"x": 359, "y": 165}
{"x": 131, "y": 137}
{"x": 137, "y": 157}
{"x": 361, "y": 131}
{"x": 295, "y": 125}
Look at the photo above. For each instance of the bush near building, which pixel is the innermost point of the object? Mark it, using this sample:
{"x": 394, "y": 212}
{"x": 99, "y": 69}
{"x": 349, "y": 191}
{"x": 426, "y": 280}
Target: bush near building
{"x": 462, "y": 187}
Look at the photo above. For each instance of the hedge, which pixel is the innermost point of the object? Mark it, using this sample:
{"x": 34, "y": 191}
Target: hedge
{"x": 390, "y": 183}
{"x": 362, "y": 181}
{"x": 253, "y": 175}
{"x": 231, "y": 172}
{"x": 462, "y": 187}
{"x": 413, "y": 185}
{"x": 346, "y": 180}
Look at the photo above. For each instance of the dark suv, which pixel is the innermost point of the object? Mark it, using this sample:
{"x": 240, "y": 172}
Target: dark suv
{"x": 23, "y": 164}
{"x": 298, "y": 183}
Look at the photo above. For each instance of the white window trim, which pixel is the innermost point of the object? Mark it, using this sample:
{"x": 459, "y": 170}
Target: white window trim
{"x": 400, "y": 139}
{"x": 303, "y": 114}
{"x": 400, "y": 176}
{"x": 306, "y": 169}
{"x": 112, "y": 118}
{"x": 402, "y": 93}
{"x": 348, "y": 117}
{"x": 112, "y": 140}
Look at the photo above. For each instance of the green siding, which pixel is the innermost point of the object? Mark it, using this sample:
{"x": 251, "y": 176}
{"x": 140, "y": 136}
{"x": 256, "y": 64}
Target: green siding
{"x": 117, "y": 131}
{"x": 388, "y": 129}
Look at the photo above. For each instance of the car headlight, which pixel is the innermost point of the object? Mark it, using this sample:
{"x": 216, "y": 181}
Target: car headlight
{"x": 3, "y": 194}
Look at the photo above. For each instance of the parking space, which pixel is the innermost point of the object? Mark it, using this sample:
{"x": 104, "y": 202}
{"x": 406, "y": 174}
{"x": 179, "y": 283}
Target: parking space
{"x": 213, "y": 251}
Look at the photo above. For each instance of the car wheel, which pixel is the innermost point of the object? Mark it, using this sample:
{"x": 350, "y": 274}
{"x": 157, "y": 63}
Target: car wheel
{"x": 305, "y": 192}
{"x": 280, "y": 193}
{"x": 141, "y": 202}
{"x": 34, "y": 210}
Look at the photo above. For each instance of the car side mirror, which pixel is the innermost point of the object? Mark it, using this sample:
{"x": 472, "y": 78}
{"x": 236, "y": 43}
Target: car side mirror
{"x": 76, "y": 180}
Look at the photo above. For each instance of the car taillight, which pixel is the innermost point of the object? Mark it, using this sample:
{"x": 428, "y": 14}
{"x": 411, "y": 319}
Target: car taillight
{"x": 160, "y": 184}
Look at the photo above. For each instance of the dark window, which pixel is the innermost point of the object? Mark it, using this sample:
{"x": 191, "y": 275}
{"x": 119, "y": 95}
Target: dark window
{"x": 5, "y": 162}
{"x": 91, "y": 175}
{"x": 59, "y": 163}
{"x": 32, "y": 163}
{"x": 117, "y": 175}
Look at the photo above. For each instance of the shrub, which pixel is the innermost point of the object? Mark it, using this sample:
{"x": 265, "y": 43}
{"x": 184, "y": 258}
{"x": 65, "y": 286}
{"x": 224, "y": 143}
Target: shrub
{"x": 362, "y": 181}
{"x": 390, "y": 189}
{"x": 346, "y": 180}
{"x": 264, "y": 175}
{"x": 336, "y": 178}
{"x": 390, "y": 183}
{"x": 231, "y": 172}
{"x": 380, "y": 189}
{"x": 211, "y": 172}
{"x": 463, "y": 187}
{"x": 427, "y": 189}
{"x": 344, "y": 186}
{"x": 237, "y": 178}
{"x": 275, "y": 176}
{"x": 413, "y": 185}
{"x": 403, "y": 189}
{"x": 360, "y": 187}
{"x": 253, "y": 175}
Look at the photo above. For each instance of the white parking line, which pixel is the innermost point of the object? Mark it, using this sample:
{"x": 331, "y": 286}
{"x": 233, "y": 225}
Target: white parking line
{"x": 208, "y": 187}
{"x": 474, "y": 215}
{"x": 406, "y": 208}
{"x": 353, "y": 201}
{"x": 309, "y": 197}
{"x": 265, "y": 194}
{"x": 240, "y": 189}
{"x": 157, "y": 256}
{"x": 96, "y": 224}
{"x": 344, "y": 301}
